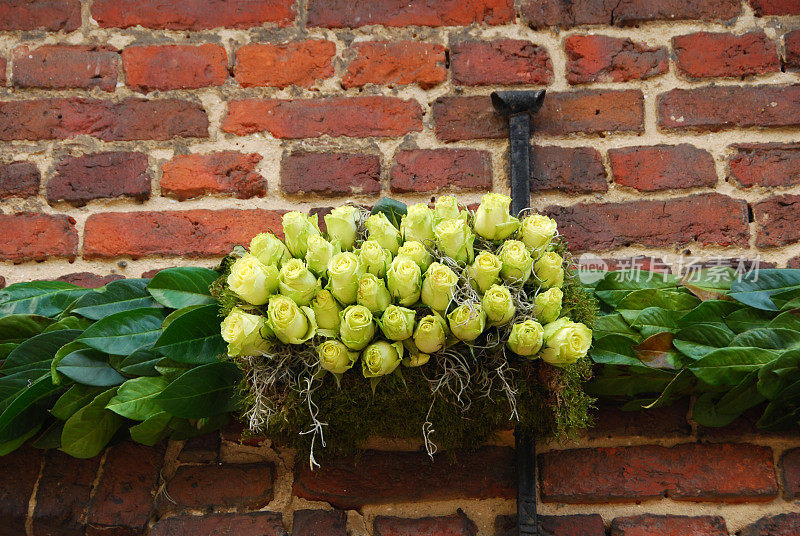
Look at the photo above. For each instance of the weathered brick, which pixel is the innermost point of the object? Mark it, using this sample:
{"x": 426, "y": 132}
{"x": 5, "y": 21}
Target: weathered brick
{"x": 669, "y": 525}
{"x": 66, "y": 66}
{"x": 545, "y": 13}
{"x": 468, "y": 118}
{"x": 355, "y": 13}
{"x": 19, "y": 179}
{"x": 193, "y": 233}
{"x": 599, "y": 58}
{"x": 201, "y": 449}
{"x": 662, "y": 167}
{"x": 714, "y": 108}
{"x": 37, "y": 237}
{"x": 686, "y": 472}
{"x": 165, "y": 67}
{"x": 52, "y": 15}
{"x": 330, "y": 173}
{"x": 765, "y": 8}
{"x": 790, "y": 473}
{"x": 778, "y": 220}
{"x": 574, "y": 525}
{"x": 706, "y": 54}
{"x": 570, "y": 169}
{"x": 768, "y": 164}
{"x": 2, "y": 71}
{"x": 791, "y": 43}
{"x": 319, "y": 522}
{"x": 79, "y": 179}
{"x": 356, "y": 117}
{"x": 780, "y": 525}
{"x": 89, "y": 280}
{"x": 501, "y": 61}
{"x": 433, "y": 170}
{"x": 129, "y": 119}
{"x": 206, "y": 487}
{"x": 15, "y": 493}
{"x": 192, "y": 14}
{"x": 299, "y": 63}
{"x": 63, "y": 492}
{"x": 708, "y": 219}
{"x": 2, "y": 282}
{"x": 376, "y": 478}
{"x": 226, "y": 172}
{"x": 395, "y": 64}
{"x": 457, "y": 524}
{"x": 250, "y": 524}
{"x": 611, "y": 422}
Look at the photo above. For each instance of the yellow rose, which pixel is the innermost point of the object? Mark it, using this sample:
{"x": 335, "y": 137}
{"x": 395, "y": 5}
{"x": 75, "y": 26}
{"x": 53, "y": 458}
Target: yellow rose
{"x": 335, "y": 357}
{"x": 297, "y": 282}
{"x": 492, "y": 219}
{"x": 498, "y": 305}
{"x": 326, "y": 310}
{"x": 357, "y": 327}
{"x": 417, "y": 224}
{"x": 547, "y": 305}
{"x": 565, "y": 342}
{"x": 525, "y": 338}
{"x": 485, "y": 271}
{"x": 517, "y": 262}
{"x": 342, "y": 226}
{"x": 404, "y": 281}
{"x": 245, "y": 334}
{"x": 431, "y": 334}
{"x": 549, "y": 270}
{"x": 454, "y": 238}
{"x": 269, "y": 249}
{"x": 438, "y": 287}
{"x": 467, "y": 321}
{"x": 397, "y": 323}
{"x": 537, "y": 232}
{"x": 297, "y": 227}
{"x": 383, "y": 232}
{"x": 290, "y": 323}
{"x": 344, "y": 272}
{"x": 374, "y": 258}
{"x": 253, "y": 281}
{"x": 372, "y": 294}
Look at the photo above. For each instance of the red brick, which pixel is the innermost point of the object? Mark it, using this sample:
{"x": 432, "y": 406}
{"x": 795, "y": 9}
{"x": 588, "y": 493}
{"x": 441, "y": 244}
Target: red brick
{"x": 124, "y": 494}
{"x": 200, "y": 449}
{"x": 669, "y": 525}
{"x": 79, "y": 179}
{"x": 433, "y": 170}
{"x": 2, "y": 282}
{"x": 378, "y": 478}
{"x": 707, "y": 218}
{"x": 468, "y": 118}
{"x": 63, "y": 492}
{"x": 599, "y": 58}
{"x": 299, "y": 63}
{"x": 15, "y": 493}
{"x": 574, "y": 525}
{"x": 250, "y": 524}
{"x": 662, "y": 167}
{"x": 611, "y": 422}
{"x": 37, "y": 237}
{"x": 395, "y": 64}
{"x": 502, "y": 61}
{"x": 778, "y": 220}
{"x": 19, "y": 179}
{"x": 319, "y": 523}
{"x": 66, "y": 66}
{"x": 355, "y": 13}
{"x": 569, "y": 169}
{"x": 166, "y": 67}
{"x": 330, "y": 173}
{"x": 780, "y": 525}
{"x": 705, "y": 54}
{"x": 129, "y": 119}
{"x": 714, "y": 108}
{"x": 768, "y": 164}
{"x": 790, "y": 474}
{"x": 453, "y": 525}
{"x": 205, "y": 487}
{"x": 237, "y": 432}
{"x": 89, "y": 280}
{"x": 192, "y": 14}
{"x": 545, "y": 13}
{"x": 226, "y": 172}
{"x": 2, "y": 71}
{"x": 791, "y": 42}
{"x": 193, "y": 233}
{"x": 52, "y": 15}
{"x": 775, "y": 7}
{"x": 356, "y": 117}
{"x": 687, "y": 472}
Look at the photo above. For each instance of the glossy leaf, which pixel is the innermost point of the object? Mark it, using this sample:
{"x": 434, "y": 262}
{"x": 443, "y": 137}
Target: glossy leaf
{"x": 748, "y": 318}
{"x": 614, "y": 350}
{"x": 21, "y": 411}
{"x": 17, "y": 328}
{"x": 729, "y": 366}
{"x": 36, "y": 352}
{"x": 665, "y": 298}
{"x": 141, "y": 362}
{"x": 74, "y": 399}
{"x": 202, "y": 391}
{"x": 45, "y": 298}
{"x": 123, "y": 333}
{"x": 89, "y": 430}
{"x": 117, "y": 296}
{"x": 699, "y": 339}
{"x": 152, "y": 430}
{"x": 393, "y": 209}
{"x": 757, "y": 288}
{"x": 89, "y": 367}
{"x": 193, "y": 337}
{"x": 652, "y": 320}
{"x": 774, "y": 377}
{"x": 773, "y": 339}
{"x": 656, "y": 351}
{"x": 7, "y": 447}
{"x": 135, "y": 398}
{"x": 787, "y": 320}
{"x": 177, "y": 288}
{"x": 709, "y": 312}
{"x": 614, "y": 324}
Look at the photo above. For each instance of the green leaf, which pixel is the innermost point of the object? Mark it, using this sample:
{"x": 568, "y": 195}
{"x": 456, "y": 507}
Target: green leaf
{"x": 652, "y": 320}
{"x": 394, "y": 210}
{"x": 117, "y": 296}
{"x": 748, "y": 318}
{"x": 788, "y": 320}
{"x": 201, "y": 392}
{"x": 63, "y": 352}
{"x": 756, "y": 289}
{"x": 628, "y": 381}
{"x": 50, "y": 438}
{"x": 715, "y": 280}
{"x": 7, "y": 447}
{"x": 193, "y": 337}
{"x": 142, "y": 362}
{"x": 12, "y": 385}
{"x": 771, "y": 339}
{"x": 6, "y": 348}
{"x": 90, "y": 428}
{"x": 698, "y": 340}
{"x": 135, "y": 398}
{"x": 74, "y": 399}
{"x": 709, "y": 312}
{"x": 122, "y": 333}
{"x": 614, "y": 324}
{"x": 152, "y": 430}
{"x": 89, "y": 367}
{"x": 179, "y": 312}
{"x": 36, "y": 352}
{"x": 677, "y": 300}
{"x": 729, "y": 366}
{"x": 721, "y": 409}
{"x": 183, "y": 429}
{"x": 20, "y": 412}
{"x": 17, "y": 328}
{"x": 69, "y": 322}
{"x": 45, "y": 298}
{"x": 774, "y": 377}
{"x": 614, "y": 350}
{"x": 615, "y": 286}
{"x": 680, "y": 386}
{"x": 784, "y": 411}
{"x": 177, "y": 288}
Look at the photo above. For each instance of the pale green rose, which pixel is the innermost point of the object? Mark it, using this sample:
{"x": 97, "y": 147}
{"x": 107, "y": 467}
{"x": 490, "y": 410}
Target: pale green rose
{"x": 565, "y": 342}
{"x": 416, "y": 252}
{"x": 517, "y": 262}
{"x": 326, "y": 310}
{"x": 485, "y": 271}
{"x": 492, "y": 219}
{"x": 404, "y": 280}
{"x": 446, "y": 208}
{"x": 467, "y": 321}
{"x": 383, "y": 232}
{"x": 319, "y": 254}
{"x": 342, "y": 226}
{"x": 431, "y": 334}
{"x": 438, "y": 287}
{"x": 381, "y": 358}
{"x": 372, "y": 294}
{"x": 397, "y": 323}
{"x": 357, "y": 327}
{"x": 417, "y": 224}
{"x": 537, "y": 232}
{"x": 253, "y": 281}
{"x": 245, "y": 334}
{"x": 547, "y": 305}
{"x": 454, "y": 238}
{"x": 297, "y": 282}
{"x": 525, "y": 338}
{"x": 415, "y": 358}
{"x": 549, "y": 270}
{"x": 335, "y": 357}
{"x": 374, "y": 258}
{"x": 498, "y": 305}
{"x": 269, "y": 249}
{"x": 297, "y": 227}
{"x": 290, "y": 323}
{"x": 344, "y": 271}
